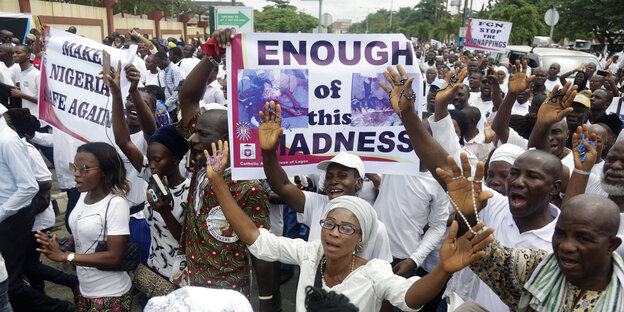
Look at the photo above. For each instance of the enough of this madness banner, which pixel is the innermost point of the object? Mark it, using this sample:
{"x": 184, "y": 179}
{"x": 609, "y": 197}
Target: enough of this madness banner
{"x": 487, "y": 35}
{"x": 73, "y": 97}
{"x": 328, "y": 88}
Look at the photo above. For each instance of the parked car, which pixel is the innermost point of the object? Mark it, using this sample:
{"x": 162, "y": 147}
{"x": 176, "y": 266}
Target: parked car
{"x": 568, "y": 59}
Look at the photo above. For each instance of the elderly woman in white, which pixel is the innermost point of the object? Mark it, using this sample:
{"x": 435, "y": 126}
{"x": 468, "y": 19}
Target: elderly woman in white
{"x": 335, "y": 262}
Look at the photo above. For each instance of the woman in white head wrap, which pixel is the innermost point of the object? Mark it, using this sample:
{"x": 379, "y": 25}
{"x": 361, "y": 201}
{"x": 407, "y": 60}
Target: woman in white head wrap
{"x": 335, "y": 262}
{"x": 503, "y": 77}
{"x": 498, "y": 167}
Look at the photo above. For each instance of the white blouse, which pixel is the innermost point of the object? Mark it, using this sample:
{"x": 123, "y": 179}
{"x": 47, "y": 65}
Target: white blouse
{"x": 366, "y": 287}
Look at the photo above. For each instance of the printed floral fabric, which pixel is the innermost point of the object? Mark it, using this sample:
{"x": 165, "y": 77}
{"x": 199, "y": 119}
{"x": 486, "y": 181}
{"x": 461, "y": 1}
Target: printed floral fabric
{"x": 108, "y": 304}
{"x": 506, "y": 270}
{"x": 216, "y": 257}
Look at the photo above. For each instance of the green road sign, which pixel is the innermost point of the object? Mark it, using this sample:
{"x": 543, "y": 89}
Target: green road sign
{"x": 237, "y": 19}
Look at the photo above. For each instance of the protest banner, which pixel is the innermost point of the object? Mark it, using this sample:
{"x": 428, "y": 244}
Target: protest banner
{"x": 73, "y": 97}
{"x": 328, "y": 88}
{"x": 487, "y": 35}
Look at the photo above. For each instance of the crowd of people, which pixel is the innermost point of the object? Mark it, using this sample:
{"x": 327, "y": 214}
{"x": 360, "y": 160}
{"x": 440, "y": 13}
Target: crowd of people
{"x": 518, "y": 204}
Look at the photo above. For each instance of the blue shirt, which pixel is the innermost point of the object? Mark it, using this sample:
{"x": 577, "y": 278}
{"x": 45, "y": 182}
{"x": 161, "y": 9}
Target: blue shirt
{"x": 172, "y": 78}
{"x": 17, "y": 180}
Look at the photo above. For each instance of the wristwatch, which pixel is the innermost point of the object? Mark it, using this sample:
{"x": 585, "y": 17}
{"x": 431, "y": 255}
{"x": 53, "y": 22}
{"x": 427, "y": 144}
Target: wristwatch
{"x": 70, "y": 257}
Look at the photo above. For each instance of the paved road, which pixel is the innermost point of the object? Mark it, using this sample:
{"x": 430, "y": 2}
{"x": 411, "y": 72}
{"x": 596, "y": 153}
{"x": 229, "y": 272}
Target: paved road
{"x": 288, "y": 289}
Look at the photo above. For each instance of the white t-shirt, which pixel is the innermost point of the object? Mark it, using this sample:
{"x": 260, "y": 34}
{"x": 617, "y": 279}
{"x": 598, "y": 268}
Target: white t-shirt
{"x": 520, "y": 109}
{"x": 87, "y": 223}
{"x": 550, "y": 85}
{"x": 14, "y": 70}
{"x": 366, "y": 287}
{"x": 406, "y": 204}
{"x": 314, "y": 210}
{"x": 164, "y": 246}
{"x": 187, "y": 65}
{"x": 157, "y": 79}
{"x": 5, "y": 75}
{"x": 46, "y": 218}
{"x": 29, "y": 84}
{"x": 214, "y": 94}
{"x": 136, "y": 195}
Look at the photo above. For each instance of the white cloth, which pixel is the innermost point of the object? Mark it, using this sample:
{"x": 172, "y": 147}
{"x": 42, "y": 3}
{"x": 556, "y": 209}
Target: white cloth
{"x": 200, "y": 299}
{"x": 136, "y": 195}
{"x": 444, "y": 133}
{"x": 516, "y": 139}
{"x": 62, "y": 156}
{"x": 366, "y": 287}
{"x": 620, "y": 234}
{"x": 315, "y": 209}
{"x": 520, "y": 108}
{"x": 550, "y": 85}
{"x": 15, "y": 69}
{"x": 5, "y": 75}
{"x": 28, "y": 81}
{"x": 163, "y": 246}
{"x": 3, "y": 271}
{"x": 87, "y": 223}
{"x": 214, "y": 94}
{"x": 187, "y": 65}
{"x": 149, "y": 79}
{"x": 485, "y": 107}
{"x": 594, "y": 185}
{"x": 46, "y": 218}
{"x": 364, "y": 213}
{"x": 406, "y": 204}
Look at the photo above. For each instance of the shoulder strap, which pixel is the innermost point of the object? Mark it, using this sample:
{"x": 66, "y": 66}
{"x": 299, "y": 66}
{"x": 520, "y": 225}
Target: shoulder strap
{"x": 317, "y": 278}
{"x": 106, "y": 216}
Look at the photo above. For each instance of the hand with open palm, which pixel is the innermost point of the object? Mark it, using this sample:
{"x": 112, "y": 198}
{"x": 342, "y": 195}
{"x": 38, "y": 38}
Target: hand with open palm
{"x": 216, "y": 164}
{"x": 446, "y": 94}
{"x": 270, "y": 130}
{"x": 460, "y": 186}
{"x": 401, "y": 94}
{"x": 457, "y": 253}
{"x": 518, "y": 80}
{"x": 590, "y": 154}
{"x": 557, "y": 105}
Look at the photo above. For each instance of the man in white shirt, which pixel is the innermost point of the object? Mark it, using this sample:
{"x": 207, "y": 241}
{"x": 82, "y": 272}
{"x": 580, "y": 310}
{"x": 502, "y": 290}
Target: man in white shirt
{"x": 17, "y": 188}
{"x": 214, "y": 93}
{"x": 533, "y": 179}
{"x": 188, "y": 62}
{"x": 552, "y": 78}
{"x": 27, "y": 80}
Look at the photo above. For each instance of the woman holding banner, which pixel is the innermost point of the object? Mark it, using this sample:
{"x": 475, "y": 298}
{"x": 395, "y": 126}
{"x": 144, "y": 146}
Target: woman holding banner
{"x": 335, "y": 262}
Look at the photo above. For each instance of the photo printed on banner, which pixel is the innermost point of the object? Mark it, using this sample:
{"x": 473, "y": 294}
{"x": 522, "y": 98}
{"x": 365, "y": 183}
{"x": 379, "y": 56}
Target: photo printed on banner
{"x": 370, "y": 104}
{"x": 287, "y": 87}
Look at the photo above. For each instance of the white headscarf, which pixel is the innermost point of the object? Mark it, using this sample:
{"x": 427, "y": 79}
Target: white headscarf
{"x": 200, "y": 299}
{"x": 364, "y": 213}
{"x": 507, "y": 153}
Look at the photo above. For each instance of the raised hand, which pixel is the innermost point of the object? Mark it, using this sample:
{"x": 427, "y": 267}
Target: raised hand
{"x": 402, "y": 96}
{"x": 133, "y": 75}
{"x": 518, "y": 80}
{"x": 487, "y": 130}
{"x": 223, "y": 37}
{"x": 557, "y": 105}
{"x": 582, "y": 138}
{"x": 463, "y": 190}
{"x": 216, "y": 164}
{"x": 457, "y": 253}
{"x": 446, "y": 94}
{"x": 112, "y": 79}
{"x": 270, "y": 130}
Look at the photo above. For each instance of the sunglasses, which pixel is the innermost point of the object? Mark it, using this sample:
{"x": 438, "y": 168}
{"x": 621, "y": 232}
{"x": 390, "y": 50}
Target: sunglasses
{"x": 342, "y": 228}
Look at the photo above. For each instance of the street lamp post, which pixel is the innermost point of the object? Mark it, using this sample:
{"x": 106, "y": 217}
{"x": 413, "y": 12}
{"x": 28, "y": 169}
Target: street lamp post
{"x": 319, "y": 29}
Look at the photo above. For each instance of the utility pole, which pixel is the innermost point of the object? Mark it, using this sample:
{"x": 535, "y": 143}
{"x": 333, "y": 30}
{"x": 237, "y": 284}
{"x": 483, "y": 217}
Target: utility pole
{"x": 319, "y": 29}
{"x": 464, "y": 16}
{"x": 391, "y": 2}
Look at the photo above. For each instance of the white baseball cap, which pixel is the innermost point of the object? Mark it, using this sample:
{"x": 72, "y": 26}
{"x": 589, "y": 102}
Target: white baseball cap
{"x": 346, "y": 159}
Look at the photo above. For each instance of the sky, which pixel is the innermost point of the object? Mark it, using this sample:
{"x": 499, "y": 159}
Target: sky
{"x": 355, "y": 10}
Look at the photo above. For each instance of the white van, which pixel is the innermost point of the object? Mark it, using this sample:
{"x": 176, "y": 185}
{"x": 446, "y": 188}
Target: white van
{"x": 568, "y": 59}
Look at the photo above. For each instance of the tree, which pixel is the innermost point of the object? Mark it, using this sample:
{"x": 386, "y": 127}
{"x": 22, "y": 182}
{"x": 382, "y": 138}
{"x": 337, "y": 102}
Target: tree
{"x": 283, "y": 17}
{"x": 591, "y": 19}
